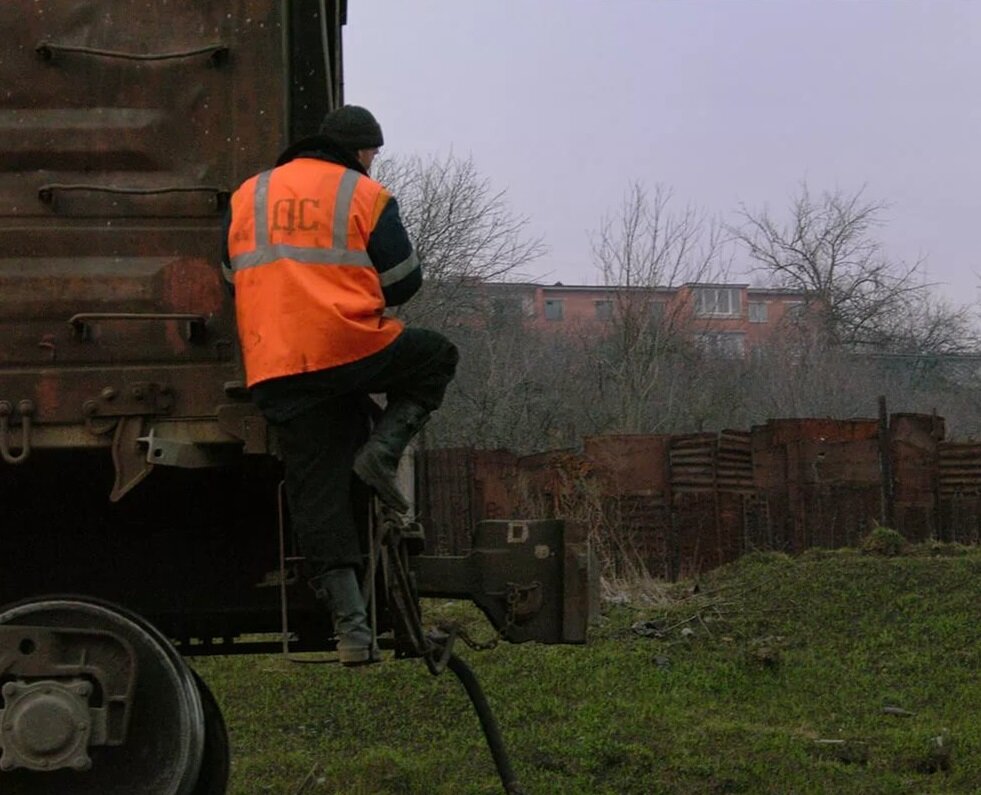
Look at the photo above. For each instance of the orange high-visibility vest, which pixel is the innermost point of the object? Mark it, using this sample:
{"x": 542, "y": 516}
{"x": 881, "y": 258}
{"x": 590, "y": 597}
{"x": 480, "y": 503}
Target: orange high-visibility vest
{"x": 307, "y": 296}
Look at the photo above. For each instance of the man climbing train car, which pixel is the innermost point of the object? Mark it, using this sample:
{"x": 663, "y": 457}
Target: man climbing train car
{"x": 316, "y": 250}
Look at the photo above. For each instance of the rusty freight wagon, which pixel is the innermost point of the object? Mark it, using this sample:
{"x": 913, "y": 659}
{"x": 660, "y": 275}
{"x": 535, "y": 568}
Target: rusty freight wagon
{"x": 141, "y": 511}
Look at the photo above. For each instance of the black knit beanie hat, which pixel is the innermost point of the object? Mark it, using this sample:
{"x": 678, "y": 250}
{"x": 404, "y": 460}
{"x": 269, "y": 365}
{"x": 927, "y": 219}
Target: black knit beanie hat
{"x": 352, "y": 127}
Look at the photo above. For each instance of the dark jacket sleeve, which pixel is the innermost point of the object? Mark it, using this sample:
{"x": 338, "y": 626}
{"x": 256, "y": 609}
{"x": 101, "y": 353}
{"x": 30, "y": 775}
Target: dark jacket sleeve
{"x": 393, "y": 256}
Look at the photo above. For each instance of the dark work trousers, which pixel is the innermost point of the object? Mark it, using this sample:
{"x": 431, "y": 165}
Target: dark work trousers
{"x": 318, "y": 444}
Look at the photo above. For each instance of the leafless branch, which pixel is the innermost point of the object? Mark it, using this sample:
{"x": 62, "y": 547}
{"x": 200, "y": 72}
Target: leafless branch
{"x": 463, "y": 229}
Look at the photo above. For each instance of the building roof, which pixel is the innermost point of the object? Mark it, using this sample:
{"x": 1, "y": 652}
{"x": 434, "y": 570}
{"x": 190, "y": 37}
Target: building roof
{"x": 592, "y": 288}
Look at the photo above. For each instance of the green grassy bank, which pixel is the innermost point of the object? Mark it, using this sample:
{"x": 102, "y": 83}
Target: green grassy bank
{"x": 835, "y": 672}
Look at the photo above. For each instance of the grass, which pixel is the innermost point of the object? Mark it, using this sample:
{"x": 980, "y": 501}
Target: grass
{"x": 834, "y": 672}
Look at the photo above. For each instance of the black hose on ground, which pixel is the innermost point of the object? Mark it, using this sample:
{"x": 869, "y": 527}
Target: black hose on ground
{"x": 488, "y": 723}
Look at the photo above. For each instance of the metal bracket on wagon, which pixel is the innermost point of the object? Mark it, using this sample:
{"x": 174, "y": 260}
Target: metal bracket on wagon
{"x": 244, "y": 421}
{"x": 143, "y": 398}
{"x": 535, "y": 580}
{"x": 183, "y": 453}
{"x": 26, "y": 410}
{"x": 195, "y": 325}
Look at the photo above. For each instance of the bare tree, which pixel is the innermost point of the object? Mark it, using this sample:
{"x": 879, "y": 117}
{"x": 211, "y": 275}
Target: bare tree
{"x": 465, "y": 234}
{"x": 512, "y": 389}
{"x": 644, "y": 250}
{"x": 828, "y": 250}
{"x": 648, "y": 243}
{"x": 463, "y": 230}
{"x": 932, "y": 326}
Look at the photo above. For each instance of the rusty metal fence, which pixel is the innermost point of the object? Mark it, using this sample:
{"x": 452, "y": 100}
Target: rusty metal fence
{"x": 675, "y": 505}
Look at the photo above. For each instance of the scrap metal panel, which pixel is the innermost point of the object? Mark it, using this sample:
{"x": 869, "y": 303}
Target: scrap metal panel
{"x": 446, "y": 499}
{"x": 959, "y": 489}
{"x": 630, "y": 463}
{"x": 960, "y": 518}
{"x": 495, "y": 473}
{"x": 914, "y": 442}
{"x": 633, "y": 473}
{"x": 637, "y": 536}
{"x": 820, "y": 480}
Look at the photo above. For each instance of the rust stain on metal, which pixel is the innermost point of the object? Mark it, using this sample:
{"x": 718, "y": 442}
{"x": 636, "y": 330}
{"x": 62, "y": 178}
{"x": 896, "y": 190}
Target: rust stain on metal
{"x": 635, "y": 464}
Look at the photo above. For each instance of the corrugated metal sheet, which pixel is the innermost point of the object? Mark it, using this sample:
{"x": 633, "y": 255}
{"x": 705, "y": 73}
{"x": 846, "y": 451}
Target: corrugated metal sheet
{"x": 959, "y": 491}
{"x": 960, "y": 467}
{"x": 735, "y": 462}
{"x": 692, "y": 462}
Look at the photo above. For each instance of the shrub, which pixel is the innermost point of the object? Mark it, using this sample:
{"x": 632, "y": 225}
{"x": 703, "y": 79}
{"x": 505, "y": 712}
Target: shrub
{"x": 884, "y": 542}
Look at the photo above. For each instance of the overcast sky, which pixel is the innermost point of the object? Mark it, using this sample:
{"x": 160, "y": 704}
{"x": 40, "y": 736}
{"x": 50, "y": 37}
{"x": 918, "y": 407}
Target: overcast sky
{"x": 564, "y": 102}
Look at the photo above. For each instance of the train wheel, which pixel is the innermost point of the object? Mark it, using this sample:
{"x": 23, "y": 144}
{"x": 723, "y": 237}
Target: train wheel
{"x": 213, "y": 779}
{"x": 166, "y": 739}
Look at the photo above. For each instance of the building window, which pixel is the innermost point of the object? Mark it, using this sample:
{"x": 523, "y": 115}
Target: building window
{"x": 553, "y": 308}
{"x": 757, "y": 311}
{"x": 657, "y": 310}
{"x": 726, "y": 344}
{"x": 717, "y": 301}
{"x": 604, "y": 310}
{"x": 793, "y": 311}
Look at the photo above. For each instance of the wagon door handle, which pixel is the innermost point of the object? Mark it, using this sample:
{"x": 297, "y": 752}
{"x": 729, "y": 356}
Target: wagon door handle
{"x": 48, "y": 194}
{"x": 217, "y": 53}
{"x": 195, "y": 329}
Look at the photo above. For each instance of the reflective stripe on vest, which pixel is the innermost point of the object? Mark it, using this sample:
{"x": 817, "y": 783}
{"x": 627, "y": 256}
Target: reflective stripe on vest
{"x": 337, "y": 254}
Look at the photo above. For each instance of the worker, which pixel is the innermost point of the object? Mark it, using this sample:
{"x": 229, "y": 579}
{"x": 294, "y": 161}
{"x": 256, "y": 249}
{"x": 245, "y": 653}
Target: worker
{"x": 315, "y": 251}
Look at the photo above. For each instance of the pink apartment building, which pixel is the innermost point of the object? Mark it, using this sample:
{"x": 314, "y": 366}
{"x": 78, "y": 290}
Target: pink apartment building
{"x": 729, "y": 318}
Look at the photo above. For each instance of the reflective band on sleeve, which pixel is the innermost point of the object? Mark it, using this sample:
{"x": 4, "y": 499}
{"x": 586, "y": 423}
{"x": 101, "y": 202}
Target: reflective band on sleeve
{"x": 228, "y": 273}
{"x": 262, "y": 210}
{"x": 302, "y": 254}
{"x": 342, "y": 207}
{"x": 400, "y": 271}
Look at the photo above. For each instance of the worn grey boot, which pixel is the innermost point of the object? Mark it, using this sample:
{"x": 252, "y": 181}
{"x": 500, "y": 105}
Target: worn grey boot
{"x": 377, "y": 461}
{"x": 355, "y": 645}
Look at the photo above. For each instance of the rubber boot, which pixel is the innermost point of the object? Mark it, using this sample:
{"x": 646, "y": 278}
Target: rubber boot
{"x": 377, "y": 461}
{"x": 355, "y": 645}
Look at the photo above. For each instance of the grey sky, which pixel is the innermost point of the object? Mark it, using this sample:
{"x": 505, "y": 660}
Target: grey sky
{"x": 564, "y": 102}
